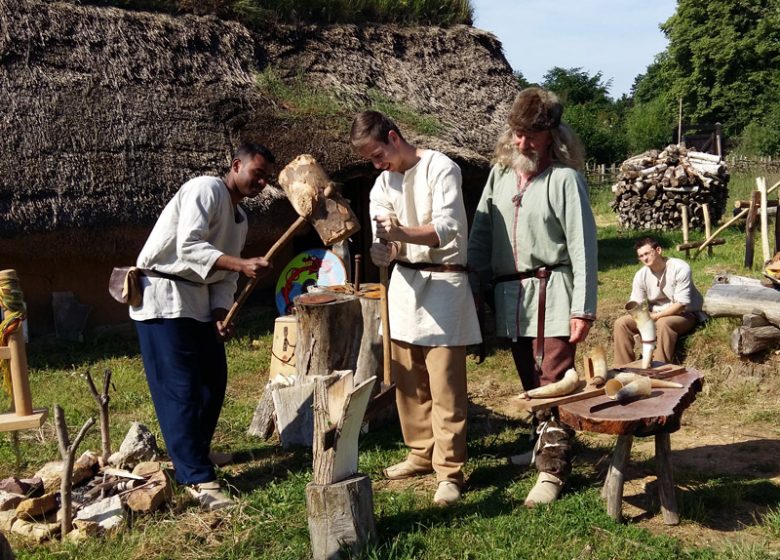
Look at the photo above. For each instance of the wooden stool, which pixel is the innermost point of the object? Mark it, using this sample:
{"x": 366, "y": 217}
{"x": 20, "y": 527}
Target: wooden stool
{"x": 23, "y": 417}
{"x": 657, "y": 415}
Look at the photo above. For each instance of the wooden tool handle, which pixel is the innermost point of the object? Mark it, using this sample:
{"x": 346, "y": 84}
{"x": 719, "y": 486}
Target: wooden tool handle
{"x": 385, "y": 316}
{"x": 268, "y": 256}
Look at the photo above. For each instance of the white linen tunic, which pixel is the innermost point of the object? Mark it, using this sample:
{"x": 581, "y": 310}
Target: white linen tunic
{"x": 428, "y": 308}
{"x": 197, "y": 226}
{"x": 674, "y": 286}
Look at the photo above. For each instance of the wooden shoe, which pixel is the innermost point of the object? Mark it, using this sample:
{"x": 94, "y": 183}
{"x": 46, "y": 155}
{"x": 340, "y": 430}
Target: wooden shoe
{"x": 545, "y": 490}
{"x": 405, "y": 469}
{"x": 446, "y": 494}
{"x": 210, "y": 496}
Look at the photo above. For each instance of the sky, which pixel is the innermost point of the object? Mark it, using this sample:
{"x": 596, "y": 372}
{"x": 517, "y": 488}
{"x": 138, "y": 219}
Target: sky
{"x": 620, "y": 38}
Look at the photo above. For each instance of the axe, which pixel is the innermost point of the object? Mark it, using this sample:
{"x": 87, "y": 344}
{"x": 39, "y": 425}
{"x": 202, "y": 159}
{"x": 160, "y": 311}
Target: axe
{"x": 316, "y": 201}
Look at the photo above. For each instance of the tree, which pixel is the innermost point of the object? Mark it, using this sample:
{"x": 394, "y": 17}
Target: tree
{"x": 722, "y": 60}
{"x": 590, "y": 111}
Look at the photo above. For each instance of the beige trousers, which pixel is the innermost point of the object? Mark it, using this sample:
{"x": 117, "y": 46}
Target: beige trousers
{"x": 667, "y": 330}
{"x": 432, "y": 406}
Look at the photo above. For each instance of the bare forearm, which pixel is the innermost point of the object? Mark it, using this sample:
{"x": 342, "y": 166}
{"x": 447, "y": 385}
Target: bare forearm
{"x": 255, "y": 266}
{"x": 419, "y": 235}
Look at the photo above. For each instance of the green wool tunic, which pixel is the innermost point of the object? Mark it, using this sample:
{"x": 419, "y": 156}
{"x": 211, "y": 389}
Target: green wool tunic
{"x": 552, "y": 225}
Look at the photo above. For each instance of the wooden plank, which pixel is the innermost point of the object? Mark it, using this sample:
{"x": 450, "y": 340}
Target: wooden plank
{"x": 584, "y": 391}
{"x": 12, "y": 422}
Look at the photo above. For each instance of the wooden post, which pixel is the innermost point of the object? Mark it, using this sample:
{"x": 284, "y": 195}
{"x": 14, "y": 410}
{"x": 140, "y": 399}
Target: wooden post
{"x": 718, "y": 148}
{"x": 613, "y": 485}
{"x": 663, "y": 464}
{"x": 20, "y": 382}
{"x": 684, "y": 212}
{"x": 777, "y": 227}
{"x": 761, "y": 185}
{"x": 679, "y": 124}
{"x": 705, "y": 210}
{"x": 750, "y": 228}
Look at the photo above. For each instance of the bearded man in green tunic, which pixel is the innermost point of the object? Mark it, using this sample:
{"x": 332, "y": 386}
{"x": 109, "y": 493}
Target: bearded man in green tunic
{"x": 533, "y": 243}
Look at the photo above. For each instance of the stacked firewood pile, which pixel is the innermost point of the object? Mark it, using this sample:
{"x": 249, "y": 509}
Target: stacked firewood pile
{"x": 653, "y": 186}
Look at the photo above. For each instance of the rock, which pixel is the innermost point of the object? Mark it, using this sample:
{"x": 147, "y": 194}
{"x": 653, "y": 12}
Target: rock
{"x": 7, "y": 519}
{"x": 87, "y": 527}
{"x": 29, "y": 487}
{"x": 9, "y": 501}
{"x": 150, "y": 498}
{"x": 83, "y": 468}
{"x": 139, "y": 445}
{"x": 108, "y": 513}
{"x": 37, "y": 507}
{"x": 147, "y": 468}
{"x": 38, "y": 532}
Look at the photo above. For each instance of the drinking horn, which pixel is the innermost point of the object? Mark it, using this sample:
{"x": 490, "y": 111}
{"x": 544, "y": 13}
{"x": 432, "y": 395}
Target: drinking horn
{"x": 646, "y": 327}
{"x": 625, "y": 385}
{"x": 560, "y": 388}
{"x": 598, "y": 357}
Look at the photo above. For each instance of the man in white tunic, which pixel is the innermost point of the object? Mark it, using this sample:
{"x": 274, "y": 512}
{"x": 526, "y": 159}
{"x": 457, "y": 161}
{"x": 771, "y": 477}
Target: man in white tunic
{"x": 674, "y": 303}
{"x": 190, "y": 264}
{"x": 420, "y": 222}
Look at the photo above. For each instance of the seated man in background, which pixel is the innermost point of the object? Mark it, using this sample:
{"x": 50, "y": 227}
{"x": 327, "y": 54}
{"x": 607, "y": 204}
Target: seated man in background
{"x": 674, "y": 303}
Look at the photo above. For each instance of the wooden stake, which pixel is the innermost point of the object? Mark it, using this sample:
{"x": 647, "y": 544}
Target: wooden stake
{"x": 750, "y": 228}
{"x": 705, "y": 210}
{"x": 761, "y": 185}
{"x": 663, "y": 465}
{"x": 102, "y": 402}
{"x": 68, "y": 453}
{"x": 684, "y": 211}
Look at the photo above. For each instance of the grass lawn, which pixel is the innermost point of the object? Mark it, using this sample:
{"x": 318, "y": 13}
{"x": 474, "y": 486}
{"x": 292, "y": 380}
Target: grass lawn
{"x": 727, "y": 454}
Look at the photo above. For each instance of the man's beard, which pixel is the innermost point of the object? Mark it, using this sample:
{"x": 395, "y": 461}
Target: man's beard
{"x": 526, "y": 164}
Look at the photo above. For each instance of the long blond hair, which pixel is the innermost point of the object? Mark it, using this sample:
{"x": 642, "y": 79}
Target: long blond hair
{"x": 567, "y": 148}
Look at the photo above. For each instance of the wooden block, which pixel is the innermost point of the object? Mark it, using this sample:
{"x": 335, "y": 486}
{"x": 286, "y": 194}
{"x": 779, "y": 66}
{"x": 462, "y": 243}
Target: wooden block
{"x": 340, "y": 516}
{"x": 12, "y": 422}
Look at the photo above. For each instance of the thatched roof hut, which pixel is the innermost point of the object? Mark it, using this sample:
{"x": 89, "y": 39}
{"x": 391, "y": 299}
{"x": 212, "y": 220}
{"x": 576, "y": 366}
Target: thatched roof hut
{"x": 106, "y": 112}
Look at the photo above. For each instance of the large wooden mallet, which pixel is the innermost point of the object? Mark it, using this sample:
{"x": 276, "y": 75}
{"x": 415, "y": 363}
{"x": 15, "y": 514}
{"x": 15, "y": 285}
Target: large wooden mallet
{"x": 314, "y": 198}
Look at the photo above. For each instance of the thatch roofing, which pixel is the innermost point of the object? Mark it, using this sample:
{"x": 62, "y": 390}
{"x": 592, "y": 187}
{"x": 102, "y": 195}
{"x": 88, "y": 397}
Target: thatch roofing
{"x": 105, "y": 112}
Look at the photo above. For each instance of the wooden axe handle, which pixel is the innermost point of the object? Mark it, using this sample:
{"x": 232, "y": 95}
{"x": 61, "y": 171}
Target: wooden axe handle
{"x": 268, "y": 256}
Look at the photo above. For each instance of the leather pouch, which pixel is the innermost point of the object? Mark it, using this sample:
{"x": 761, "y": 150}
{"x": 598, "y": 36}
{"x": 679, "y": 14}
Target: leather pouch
{"x": 125, "y": 285}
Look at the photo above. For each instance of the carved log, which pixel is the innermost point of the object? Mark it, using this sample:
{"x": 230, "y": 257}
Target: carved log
{"x": 330, "y": 329}
{"x": 749, "y": 340}
{"x": 340, "y": 516}
{"x": 735, "y": 300}
{"x": 264, "y": 418}
{"x": 369, "y": 362}
{"x": 754, "y": 320}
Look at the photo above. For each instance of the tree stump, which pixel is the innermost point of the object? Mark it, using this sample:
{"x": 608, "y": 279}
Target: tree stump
{"x": 330, "y": 329}
{"x": 341, "y": 517}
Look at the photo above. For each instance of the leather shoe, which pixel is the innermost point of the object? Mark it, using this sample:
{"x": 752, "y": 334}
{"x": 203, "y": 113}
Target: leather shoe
{"x": 405, "y": 469}
{"x": 545, "y": 490}
{"x": 446, "y": 494}
{"x": 210, "y": 496}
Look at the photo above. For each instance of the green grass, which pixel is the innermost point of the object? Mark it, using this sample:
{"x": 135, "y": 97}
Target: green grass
{"x": 490, "y": 523}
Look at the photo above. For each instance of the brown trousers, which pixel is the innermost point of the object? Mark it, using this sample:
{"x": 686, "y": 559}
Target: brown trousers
{"x": 667, "y": 330}
{"x": 432, "y": 406}
{"x": 554, "y": 447}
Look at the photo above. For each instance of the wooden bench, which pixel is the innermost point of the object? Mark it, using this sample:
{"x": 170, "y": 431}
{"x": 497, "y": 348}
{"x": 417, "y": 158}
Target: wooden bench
{"x": 657, "y": 415}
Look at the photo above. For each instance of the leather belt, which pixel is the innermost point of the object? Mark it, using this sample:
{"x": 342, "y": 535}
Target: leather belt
{"x": 157, "y": 274}
{"x": 433, "y": 267}
{"x": 542, "y": 273}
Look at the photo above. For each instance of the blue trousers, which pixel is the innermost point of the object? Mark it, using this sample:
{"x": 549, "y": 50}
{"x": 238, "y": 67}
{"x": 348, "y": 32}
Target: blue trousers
{"x": 186, "y": 369}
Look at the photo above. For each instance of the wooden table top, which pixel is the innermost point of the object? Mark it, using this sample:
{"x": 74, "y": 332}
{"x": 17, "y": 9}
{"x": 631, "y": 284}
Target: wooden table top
{"x": 656, "y": 414}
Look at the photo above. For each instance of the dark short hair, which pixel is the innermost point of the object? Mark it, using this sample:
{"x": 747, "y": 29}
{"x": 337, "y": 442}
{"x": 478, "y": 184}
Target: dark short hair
{"x": 646, "y": 241}
{"x": 371, "y": 125}
{"x": 252, "y": 149}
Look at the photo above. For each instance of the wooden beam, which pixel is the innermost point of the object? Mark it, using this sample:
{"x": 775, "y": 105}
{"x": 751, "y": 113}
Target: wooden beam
{"x": 12, "y": 422}
{"x": 750, "y": 228}
{"x": 761, "y": 185}
{"x": 697, "y": 244}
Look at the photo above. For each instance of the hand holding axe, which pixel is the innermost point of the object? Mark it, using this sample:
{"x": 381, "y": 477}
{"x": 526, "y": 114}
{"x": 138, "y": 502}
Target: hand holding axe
{"x": 314, "y": 198}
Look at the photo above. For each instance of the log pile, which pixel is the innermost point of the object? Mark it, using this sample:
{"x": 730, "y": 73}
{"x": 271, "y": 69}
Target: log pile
{"x": 653, "y": 186}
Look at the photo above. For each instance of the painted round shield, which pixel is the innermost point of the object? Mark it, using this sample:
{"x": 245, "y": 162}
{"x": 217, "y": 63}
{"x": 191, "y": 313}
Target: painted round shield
{"x": 313, "y": 267}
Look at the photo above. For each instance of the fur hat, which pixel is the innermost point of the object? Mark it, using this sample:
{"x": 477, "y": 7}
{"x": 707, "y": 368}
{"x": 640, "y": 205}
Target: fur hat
{"x": 535, "y": 109}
